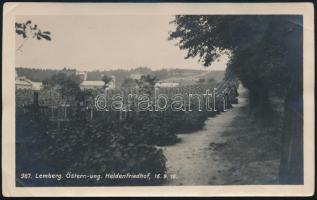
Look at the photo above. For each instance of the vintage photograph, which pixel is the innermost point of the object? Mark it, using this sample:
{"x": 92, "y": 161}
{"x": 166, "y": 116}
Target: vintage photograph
{"x": 158, "y": 100}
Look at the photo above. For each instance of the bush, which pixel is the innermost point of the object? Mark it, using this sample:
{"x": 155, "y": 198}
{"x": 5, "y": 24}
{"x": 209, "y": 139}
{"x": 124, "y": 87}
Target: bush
{"x": 85, "y": 148}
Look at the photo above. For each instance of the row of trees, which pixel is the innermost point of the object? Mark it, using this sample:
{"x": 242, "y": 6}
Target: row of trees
{"x": 266, "y": 53}
{"x": 122, "y": 76}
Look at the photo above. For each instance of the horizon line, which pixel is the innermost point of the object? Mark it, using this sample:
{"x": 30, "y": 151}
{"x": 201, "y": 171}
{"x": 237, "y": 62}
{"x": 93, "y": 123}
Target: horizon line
{"x": 125, "y": 68}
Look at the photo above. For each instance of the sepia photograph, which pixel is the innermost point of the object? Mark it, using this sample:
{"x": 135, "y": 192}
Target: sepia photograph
{"x": 159, "y": 99}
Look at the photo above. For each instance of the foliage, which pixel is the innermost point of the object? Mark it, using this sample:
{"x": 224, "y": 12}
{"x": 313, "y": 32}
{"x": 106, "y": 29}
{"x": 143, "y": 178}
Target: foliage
{"x": 266, "y": 54}
{"x": 104, "y": 144}
{"x": 106, "y": 79}
{"x": 67, "y": 85}
{"x": 41, "y": 75}
{"x": 210, "y": 81}
{"x": 28, "y": 30}
{"x": 86, "y": 148}
{"x": 129, "y": 82}
{"x": 255, "y": 44}
{"x": 120, "y": 74}
{"x": 146, "y": 84}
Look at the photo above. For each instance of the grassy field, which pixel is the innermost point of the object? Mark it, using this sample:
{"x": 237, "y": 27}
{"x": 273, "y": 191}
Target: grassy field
{"x": 252, "y": 149}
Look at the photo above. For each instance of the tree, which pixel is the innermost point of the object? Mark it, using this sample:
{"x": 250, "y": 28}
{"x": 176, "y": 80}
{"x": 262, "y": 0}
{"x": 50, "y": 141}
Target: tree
{"x": 106, "y": 79}
{"x": 67, "y": 85}
{"x": 266, "y": 55}
{"x": 211, "y": 81}
{"x": 40, "y": 75}
{"x": 201, "y": 81}
{"x": 129, "y": 82}
{"x": 147, "y": 84}
{"x": 142, "y": 70}
{"x": 27, "y": 30}
{"x": 161, "y": 74}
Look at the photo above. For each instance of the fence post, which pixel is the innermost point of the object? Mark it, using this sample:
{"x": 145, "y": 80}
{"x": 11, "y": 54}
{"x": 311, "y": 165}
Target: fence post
{"x": 36, "y": 99}
{"x": 36, "y": 105}
{"x": 65, "y": 112}
{"x": 91, "y": 113}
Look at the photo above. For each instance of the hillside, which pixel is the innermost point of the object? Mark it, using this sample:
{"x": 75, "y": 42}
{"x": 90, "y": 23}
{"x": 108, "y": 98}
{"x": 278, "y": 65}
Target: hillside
{"x": 193, "y": 78}
{"x": 177, "y": 75}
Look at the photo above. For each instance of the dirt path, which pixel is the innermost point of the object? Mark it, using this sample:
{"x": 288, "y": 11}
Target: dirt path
{"x": 194, "y": 161}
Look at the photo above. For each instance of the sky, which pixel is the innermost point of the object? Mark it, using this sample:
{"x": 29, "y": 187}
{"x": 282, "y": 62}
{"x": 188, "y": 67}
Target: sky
{"x": 104, "y": 42}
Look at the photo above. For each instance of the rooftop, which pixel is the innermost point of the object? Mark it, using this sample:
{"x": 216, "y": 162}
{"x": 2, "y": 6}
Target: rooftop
{"x": 92, "y": 83}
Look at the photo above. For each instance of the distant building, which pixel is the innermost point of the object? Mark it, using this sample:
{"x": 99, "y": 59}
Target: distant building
{"x": 22, "y": 83}
{"x": 82, "y": 75}
{"x": 91, "y": 85}
{"x": 135, "y": 76}
{"x": 166, "y": 84}
{"x": 37, "y": 85}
